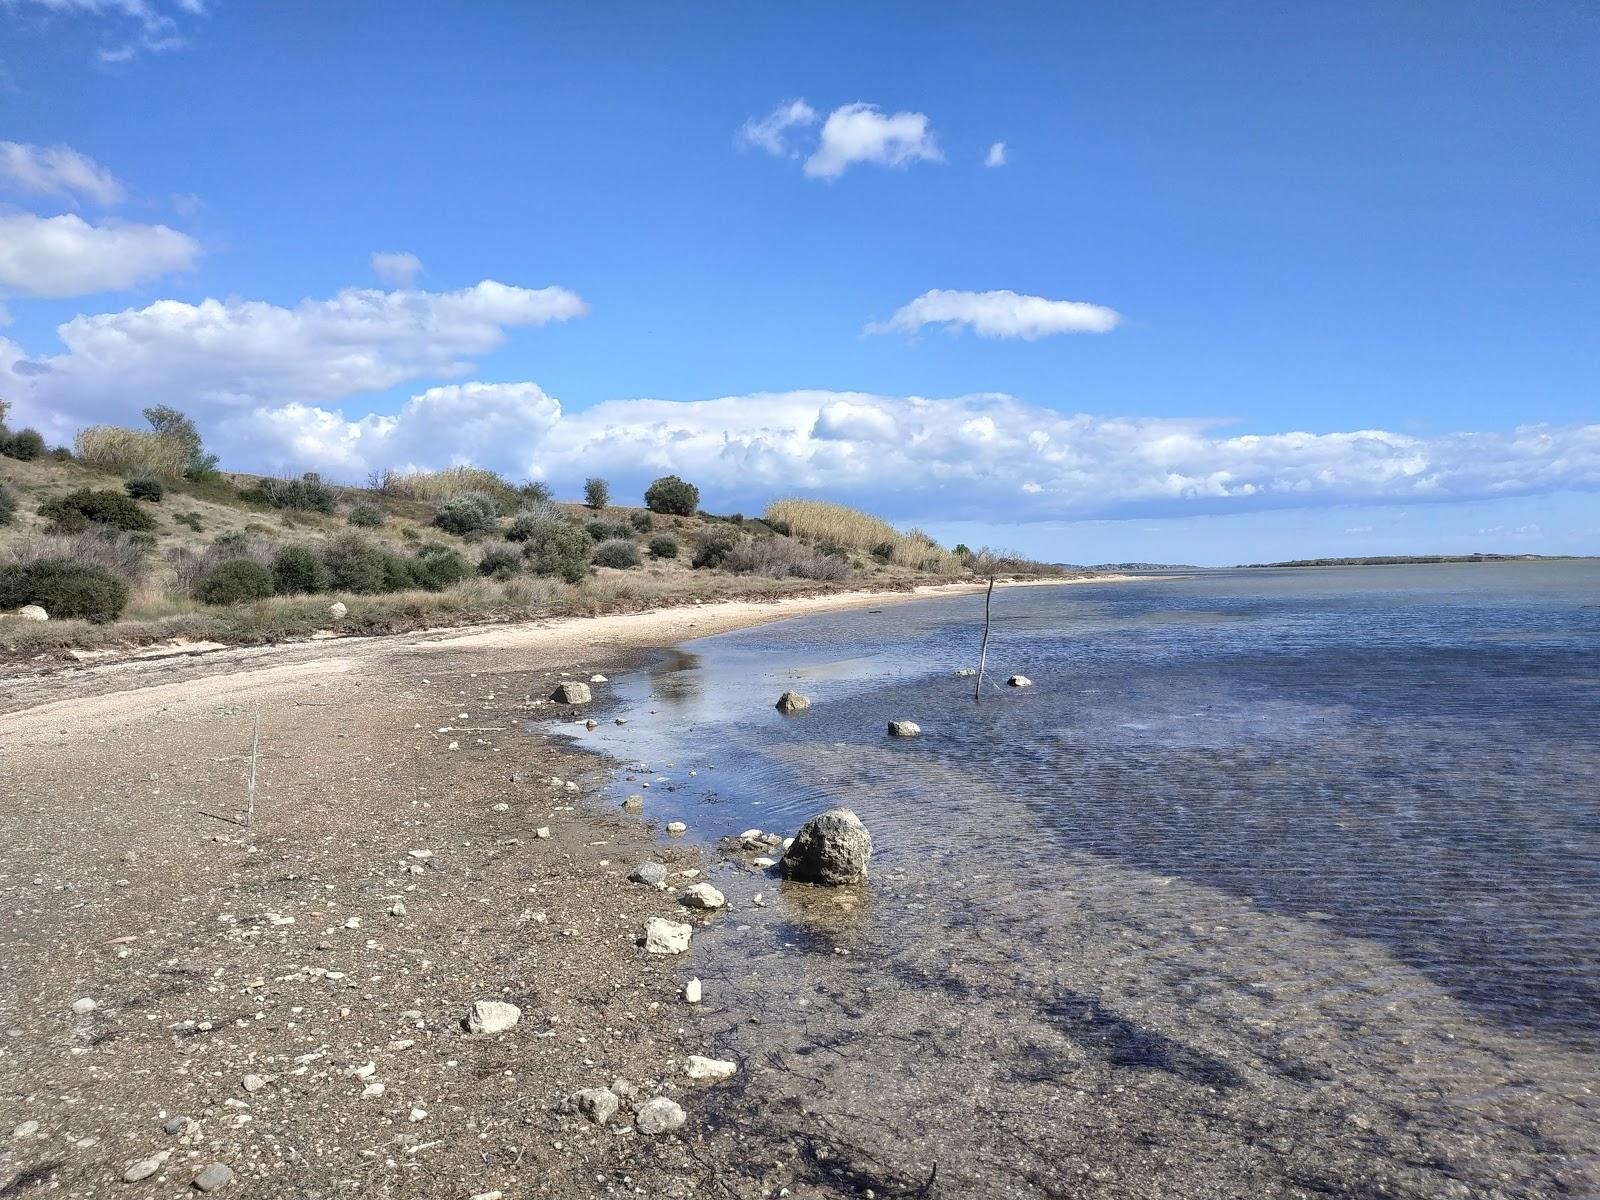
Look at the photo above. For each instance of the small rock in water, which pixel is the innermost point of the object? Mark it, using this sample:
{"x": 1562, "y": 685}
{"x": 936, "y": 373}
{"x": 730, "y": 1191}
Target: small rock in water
{"x": 492, "y": 1016}
{"x": 659, "y": 1115}
{"x": 1019, "y": 681}
{"x": 591, "y": 723}
{"x": 702, "y": 895}
{"x": 904, "y": 729}
{"x": 597, "y": 679}
{"x": 677, "y": 828}
{"x": 713, "y": 1070}
{"x": 651, "y": 874}
{"x": 572, "y": 692}
{"x": 792, "y": 702}
{"x": 763, "y": 862}
{"x": 633, "y": 803}
{"x": 662, "y": 936}
{"x": 214, "y": 1177}
{"x": 967, "y": 672}
{"x": 692, "y": 991}
{"x": 831, "y": 848}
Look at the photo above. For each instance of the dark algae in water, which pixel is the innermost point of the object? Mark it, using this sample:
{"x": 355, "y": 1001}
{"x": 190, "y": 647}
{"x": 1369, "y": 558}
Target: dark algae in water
{"x": 1274, "y": 884}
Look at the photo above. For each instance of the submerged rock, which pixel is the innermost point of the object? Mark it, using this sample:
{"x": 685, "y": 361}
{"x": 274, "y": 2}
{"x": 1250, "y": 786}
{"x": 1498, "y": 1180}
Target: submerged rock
{"x": 1019, "y": 681}
{"x": 702, "y": 895}
{"x": 792, "y": 702}
{"x": 572, "y": 692}
{"x": 832, "y": 848}
{"x": 906, "y": 729}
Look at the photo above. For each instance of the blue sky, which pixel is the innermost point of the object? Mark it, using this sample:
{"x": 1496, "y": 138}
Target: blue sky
{"x": 1279, "y": 220}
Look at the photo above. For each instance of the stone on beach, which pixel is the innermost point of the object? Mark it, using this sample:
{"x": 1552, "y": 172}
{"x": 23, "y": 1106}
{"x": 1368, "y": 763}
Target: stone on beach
{"x": 572, "y": 692}
{"x": 702, "y": 895}
{"x": 652, "y": 874}
{"x": 693, "y": 990}
{"x": 904, "y": 729}
{"x": 792, "y": 702}
{"x": 677, "y": 828}
{"x": 662, "y": 936}
{"x": 659, "y": 1115}
{"x": 598, "y": 1104}
{"x": 214, "y": 1177}
{"x": 831, "y": 848}
{"x": 1019, "y": 681}
{"x": 492, "y": 1016}
{"x": 711, "y": 1070}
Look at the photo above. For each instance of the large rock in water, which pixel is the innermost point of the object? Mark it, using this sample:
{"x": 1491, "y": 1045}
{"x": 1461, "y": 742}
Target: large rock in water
{"x": 792, "y": 702}
{"x": 904, "y": 729}
{"x": 572, "y": 692}
{"x": 831, "y": 848}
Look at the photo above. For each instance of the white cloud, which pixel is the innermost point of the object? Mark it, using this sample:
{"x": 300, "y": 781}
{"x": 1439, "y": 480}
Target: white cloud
{"x": 58, "y": 171}
{"x": 137, "y": 26}
{"x": 231, "y": 357}
{"x": 397, "y": 268}
{"x": 860, "y": 133}
{"x": 1001, "y": 314}
{"x": 996, "y": 156}
{"x": 67, "y": 256}
{"x": 770, "y": 133}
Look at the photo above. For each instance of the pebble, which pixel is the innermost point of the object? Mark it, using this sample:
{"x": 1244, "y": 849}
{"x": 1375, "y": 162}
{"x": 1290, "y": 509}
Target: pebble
{"x": 651, "y": 874}
{"x": 633, "y": 803}
{"x": 598, "y": 1104}
{"x": 692, "y": 991}
{"x": 763, "y": 862}
{"x": 26, "y": 1129}
{"x": 662, "y": 936}
{"x": 145, "y": 1167}
{"x": 712, "y": 1070}
{"x": 702, "y": 895}
{"x": 543, "y": 833}
{"x": 677, "y": 828}
{"x": 254, "y": 1083}
{"x": 214, "y": 1177}
{"x": 492, "y": 1016}
{"x": 659, "y": 1115}
{"x": 501, "y": 807}
{"x": 84, "y": 1006}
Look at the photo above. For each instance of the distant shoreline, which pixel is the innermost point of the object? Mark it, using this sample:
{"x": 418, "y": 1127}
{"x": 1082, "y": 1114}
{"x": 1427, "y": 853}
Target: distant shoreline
{"x": 1404, "y": 560}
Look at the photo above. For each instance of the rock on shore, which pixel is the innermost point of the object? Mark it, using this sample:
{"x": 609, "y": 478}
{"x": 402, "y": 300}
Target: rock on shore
{"x": 792, "y": 702}
{"x": 662, "y": 936}
{"x": 572, "y": 692}
{"x": 492, "y": 1016}
{"x": 832, "y": 848}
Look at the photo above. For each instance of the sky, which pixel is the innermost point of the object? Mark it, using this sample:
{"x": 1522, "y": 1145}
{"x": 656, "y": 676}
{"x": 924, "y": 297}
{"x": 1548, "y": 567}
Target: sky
{"x": 1187, "y": 282}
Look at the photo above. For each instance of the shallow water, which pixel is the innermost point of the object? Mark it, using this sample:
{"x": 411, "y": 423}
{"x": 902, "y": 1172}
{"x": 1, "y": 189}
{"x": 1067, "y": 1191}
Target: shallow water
{"x": 1275, "y": 883}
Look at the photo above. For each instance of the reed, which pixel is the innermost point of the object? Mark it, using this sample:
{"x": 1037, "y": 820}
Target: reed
{"x": 836, "y": 524}
{"x": 115, "y": 449}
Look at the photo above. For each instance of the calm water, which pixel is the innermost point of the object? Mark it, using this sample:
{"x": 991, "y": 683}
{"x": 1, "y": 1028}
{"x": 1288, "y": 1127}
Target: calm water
{"x": 1275, "y": 883}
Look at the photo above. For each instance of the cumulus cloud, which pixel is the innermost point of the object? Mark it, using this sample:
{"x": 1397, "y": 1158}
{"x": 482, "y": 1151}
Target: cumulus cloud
{"x": 860, "y": 133}
{"x": 226, "y": 357}
{"x": 134, "y": 26}
{"x": 397, "y": 268}
{"x": 1001, "y": 314}
{"x": 57, "y": 171}
{"x": 68, "y": 256}
{"x": 771, "y": 132}
{"x": 996, "y": 156}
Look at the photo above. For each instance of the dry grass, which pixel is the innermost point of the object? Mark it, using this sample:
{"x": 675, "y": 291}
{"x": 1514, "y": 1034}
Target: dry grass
{"x": 434, "y": 486}
{"x": 824, "y": 523}
{"x": 113, "y": 449}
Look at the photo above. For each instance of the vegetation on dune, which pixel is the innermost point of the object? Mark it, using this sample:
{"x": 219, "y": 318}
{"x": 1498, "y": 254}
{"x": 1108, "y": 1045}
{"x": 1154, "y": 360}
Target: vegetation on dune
{"x": 365, "y": 516}
{"x": 306, "y": 494}
{"x": 64, "y": 588}
{"x": 144, "y": 487}
{"x": 837, "y": 525}
{"x": 596, "y": 493}
{"x": 74, "y": 511}
{"x": 673, "y": 496}
{"x": 467, "y": 513}
{"x": 662, "y": 546}
{"x": 236, "y": 581}
{"x": 8, "y": 505}
{"x": 133, "y": 450}
{"x": 616, "y": 552}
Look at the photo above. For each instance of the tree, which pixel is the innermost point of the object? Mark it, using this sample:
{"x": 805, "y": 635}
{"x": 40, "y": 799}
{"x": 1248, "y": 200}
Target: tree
{"x": 170, "y": 423}
{"x": 672, "y": 495}
{"x": 596, "y": 493}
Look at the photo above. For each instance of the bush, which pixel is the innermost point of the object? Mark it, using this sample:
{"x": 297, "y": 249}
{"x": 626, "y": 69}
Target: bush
{"x": 500, "y": 562}
{"x": 604, "y": 531}
{"x": 399, "y": 572}
{"x": 173, "y": 426}
{"x": 617, "y": 552}
{"x": 355, "y": 564}
{"x": 438, "y": 486}
{"x": 530, "y": 521}
{"x": 365, "y": 516}
{"x": 125, "y": 450}
{"x": 144, "y": 487}
{"x": 783, "y": 558}
{"x": 466, "y": 513}
{"x": 437, "y": 567}
{"x": 714, "y": 549}
{"x": 103, "y": 508}
{"x": 8, "y": 505}
{"x": 306, "y": 494}
{"x": 596, "y": 493}
{"x": 25, "y": 444}
{"x": 64, "y": 588}
{"x": 535, "y": 492}
{"x": 191, "y": 519}
{"x": 663, "y": 546}
{"x": 299, "y": 570}
{"x": 642, "y": 522}
{"x": 672, "y": 495}
{"x": 559, "y": 549}
{"x": 883, "y": 551}
{"x": 236, "y": 581}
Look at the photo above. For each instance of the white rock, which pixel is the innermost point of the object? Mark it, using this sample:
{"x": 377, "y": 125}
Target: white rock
{"x": 542, "y": 832}
{"x": 418, "y": 1114}
{"x": 598, "y": 679}
{"x": 904, "y": 729}
{"x": 492, "y": 1016}
{"x": 337, "y": 609}
{"x": 662, "y": 936}
{"x": 763, "y": 862}
{"x": 712, "y": 1070}
{"x": 254, "y": 1083}
{"x": 659, "y": 1115}
{"x": 693, "y": 990}
{"x": 702, "y": 895}
{"x": 145, "y": 1167}
{"x": 501, "y": 807}
{"x": 83, "y": 1006}
{"x": 676, "y": 828}
{"x": 365, "y": 1071}
{"x": 26, "y": 1129}
{"x": 372, "y": 1089}
{"x": 32, "y": 612}
{"x": 487, "y": 1196}
{"x": 1019, "y": 681}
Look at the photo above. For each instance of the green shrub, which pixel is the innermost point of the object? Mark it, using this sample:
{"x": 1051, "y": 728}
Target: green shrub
{"x": 306, "y": 494}
{"x": 559, "y": 549}
{"x": 8, "y": 505}
{"x": 144, "y": 487}
{"x": 883, "y": 551}
{"x": 642, "y": 522}
{"x": 604, "y": 531}
{"x": 356, "y": 564}
{"x": 714, "y": 549}
{"x": 662, "y": 546}
{"x": 596, "y": 493}
{"x": 618, "y": 552}
{"x": 529, "y": 522}
{"x": 399, "y": 572}
{"x": 174, "y": 427}
{"x": 779, "y": 527}
{"x": 25, "y": 444}
{"x": 62, "y": 454}
{"x": 437, "y": 567}
{"x": 64, "y": 588}
{"x": 500, "y": 562}
{"x": 534, "y": 492}
{"x": 669, "y": 494}
{"x": 299, "y": 570}
{"x": 236, "y": 581}
{"x": 466, "y": 513}
{"x": 102, "y": 508}
{"x": 191, "y": 519}
{"x": 365, "y": 516}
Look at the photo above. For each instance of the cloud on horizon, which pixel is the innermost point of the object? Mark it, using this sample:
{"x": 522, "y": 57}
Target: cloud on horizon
{"x": 62, "y": 256}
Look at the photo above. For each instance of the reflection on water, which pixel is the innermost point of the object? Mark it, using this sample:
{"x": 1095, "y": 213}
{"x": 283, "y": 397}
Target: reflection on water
{"x": 1274, "y": 884}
